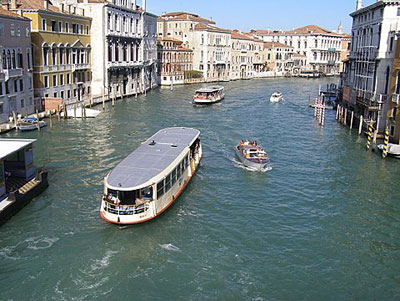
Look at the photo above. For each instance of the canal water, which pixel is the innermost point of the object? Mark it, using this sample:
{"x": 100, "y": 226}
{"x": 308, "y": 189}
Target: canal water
{"x": 323, "y": 223}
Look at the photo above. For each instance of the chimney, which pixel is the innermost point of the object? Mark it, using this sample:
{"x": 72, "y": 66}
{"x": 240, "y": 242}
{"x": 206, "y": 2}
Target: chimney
{"x": 144, "y": 5}
{"x": 13, "y": 4}
{"x": 359, "y": 4}
{"x": 46, "y": 4}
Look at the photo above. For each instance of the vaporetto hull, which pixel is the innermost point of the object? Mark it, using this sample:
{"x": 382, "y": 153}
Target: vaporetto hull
{"x": 161, "y": 190}
{"x": 250, "y": 164}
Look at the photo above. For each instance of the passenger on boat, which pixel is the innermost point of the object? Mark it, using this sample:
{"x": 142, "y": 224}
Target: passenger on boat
{"x": 241, "y": 142}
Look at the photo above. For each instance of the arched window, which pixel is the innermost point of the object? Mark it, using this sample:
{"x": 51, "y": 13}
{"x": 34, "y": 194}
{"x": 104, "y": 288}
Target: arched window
{"x": 13, "y": 60}
{"x": 9, "y": 66}
{"x": 398, "y": 83}
{"x": 4, "y": 59}
{"x": 387, "y": 79}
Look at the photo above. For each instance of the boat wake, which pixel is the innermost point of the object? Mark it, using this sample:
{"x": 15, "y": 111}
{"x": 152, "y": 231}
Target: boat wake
{"x": 170, "y": 247}
{"x": 241, "y": 165}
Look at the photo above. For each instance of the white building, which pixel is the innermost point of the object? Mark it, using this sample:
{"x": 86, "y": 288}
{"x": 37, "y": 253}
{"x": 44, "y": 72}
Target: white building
{"x": 322, "y": 47}
{"x": 211, "y": 45}
{"x": 243, "y": 55}
{"x": 124, "y": 47}
{"x": 367, "y": 74}
{"x": 16, "y": 84}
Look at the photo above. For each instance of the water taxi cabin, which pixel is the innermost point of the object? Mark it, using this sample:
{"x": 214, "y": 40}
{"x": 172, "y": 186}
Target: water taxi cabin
{"x": 19, "y": 181}
{"x": 151, "y": 178}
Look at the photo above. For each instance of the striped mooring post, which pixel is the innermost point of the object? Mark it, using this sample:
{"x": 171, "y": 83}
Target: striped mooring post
{"x": 370, "y": 134}
{"x": 385, "y": 143}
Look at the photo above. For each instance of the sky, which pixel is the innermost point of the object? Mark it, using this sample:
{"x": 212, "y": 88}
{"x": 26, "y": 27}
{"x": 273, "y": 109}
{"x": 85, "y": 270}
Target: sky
{"x": 265, "y": 14}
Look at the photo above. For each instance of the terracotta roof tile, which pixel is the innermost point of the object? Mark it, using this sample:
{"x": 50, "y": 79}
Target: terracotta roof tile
{"x": 36, "y": 4}
{"x": 7, "y": 13}
{"x": 208, "y": 27}
{"x": 305, "y": 30}
{"x": 184, "y": 16}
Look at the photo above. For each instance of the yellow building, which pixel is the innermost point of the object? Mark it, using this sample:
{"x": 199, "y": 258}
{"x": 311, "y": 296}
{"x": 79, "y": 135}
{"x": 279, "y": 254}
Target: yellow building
{"x": 393, "y": 120}
{"x": 61, "y": 49}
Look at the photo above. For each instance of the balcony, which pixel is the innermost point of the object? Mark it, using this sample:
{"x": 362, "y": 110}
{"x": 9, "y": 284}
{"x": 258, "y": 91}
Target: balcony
{"x": 125, "y": 64}
{"x": 371, "y": 102}
{"x": 79, "y": 67}
{"x": 332, "y": 50}
{"x": 11, "y": 73}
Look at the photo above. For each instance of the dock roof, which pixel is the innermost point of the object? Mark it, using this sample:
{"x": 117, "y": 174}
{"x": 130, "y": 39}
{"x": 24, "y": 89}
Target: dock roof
{"x": 151, "y": 159}
{"x": 10, "y": 146}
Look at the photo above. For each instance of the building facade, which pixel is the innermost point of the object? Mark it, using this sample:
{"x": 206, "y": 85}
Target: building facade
{"x": 279, "y": 58}
{"x": 322, "y": 47}
{"x": 61, "y": 50}
{"x": 173, "y": 61}
{"x": 211, "y": 45}
{"x": 393, "y": 115}
{"x": 242, "y": 56}
{"x": 16, "y": 79}
{"x": 366, "y": 77}
{"x": 125, "y": 47}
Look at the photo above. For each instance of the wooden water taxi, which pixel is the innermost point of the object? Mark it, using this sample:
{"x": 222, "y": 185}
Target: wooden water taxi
{"x": 209, "y": 95}
{"x": 151, "y": 178}
{"x": 252, "y": 155}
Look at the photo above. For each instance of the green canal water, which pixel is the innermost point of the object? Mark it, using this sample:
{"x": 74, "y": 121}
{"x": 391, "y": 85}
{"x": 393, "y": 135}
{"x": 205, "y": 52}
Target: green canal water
{"x": 323, "y": 223}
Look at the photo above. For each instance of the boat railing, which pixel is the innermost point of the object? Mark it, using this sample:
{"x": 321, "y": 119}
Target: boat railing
{"x": 126, "y": 209}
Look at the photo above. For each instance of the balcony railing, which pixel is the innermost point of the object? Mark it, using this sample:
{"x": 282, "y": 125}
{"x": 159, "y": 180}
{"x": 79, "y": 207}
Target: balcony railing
{"x": 78, "y": 67}
{"x": 10, "y": 73}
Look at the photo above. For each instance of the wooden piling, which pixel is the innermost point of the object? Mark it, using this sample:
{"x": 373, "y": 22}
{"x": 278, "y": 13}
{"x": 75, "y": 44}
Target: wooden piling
{"x": 37, "y": 117}
{"x": 90, "y": 101}
{"x": 113, "y": 99}
{"x": 361, "y": 125}
{"x": 337, "y": 111}
{"x": 345, "y": 117}
{"x": 65, "y": 110}
{"x": 14, "y": 118}
{"x": 82, "y": 111}
{"x": 104, "y": 102}
{"x": 50, "y": 121}
{"x": 74, "y": 110}
{"x": 351, "y": 120}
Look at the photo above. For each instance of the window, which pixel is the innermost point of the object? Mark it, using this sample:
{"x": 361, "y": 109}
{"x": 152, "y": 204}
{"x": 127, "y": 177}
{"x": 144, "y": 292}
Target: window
{"x": 22, "y": 103}
{"x": 21, "y": 85}
{"x": 160, "y": 189}
{"x": 398, "y": 11}
{"x": 46, "y": 81}
{"x": 20, "y": 60}
{"x": 1, "y": 112}
{"x": 18, "y": 31}
{"x": 44, "y": 27}
{"x": 61, "y": 79}
{"x": 55, "y": 95}
{"x": 68, "y": 94}
{"x": 27, "y": 32}
{"x": 53, "y": 26}
{"x": 167, "y": 182}
{"x": 45, "y": 56}
{"x": 173, "y": 175}
{"x": 1, "y": 88}
{"x": 66, "y": 27}
{"x": 1, "y": 29}
{"x": 68, "y": 78}
{"x": 75, "y": 28}
{"x": 87, "y": 29}
{"x": 16, "y": 85}
{"x": 12, "y": 29}
{"x": 54, "y": 80}
{"x": 62, "y": 94}
{"x": 59, "y": 26}
{"x": 74, "y": 92}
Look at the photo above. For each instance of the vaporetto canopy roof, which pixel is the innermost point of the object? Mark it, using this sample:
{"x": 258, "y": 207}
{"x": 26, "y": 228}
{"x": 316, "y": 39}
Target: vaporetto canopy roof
{"x": 10, "y": 146}
{"x": 152, "y": 158}
{"x": 210, "y": 89}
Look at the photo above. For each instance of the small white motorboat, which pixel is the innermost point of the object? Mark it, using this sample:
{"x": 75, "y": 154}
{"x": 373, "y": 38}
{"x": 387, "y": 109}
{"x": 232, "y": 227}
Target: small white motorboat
{"x": 209, "y": 95}
{"x": 276, "y": 97}
{"x": 30, "y": 124}
{"x": 89, "y": 113}
{"x": 393, "y": 150}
